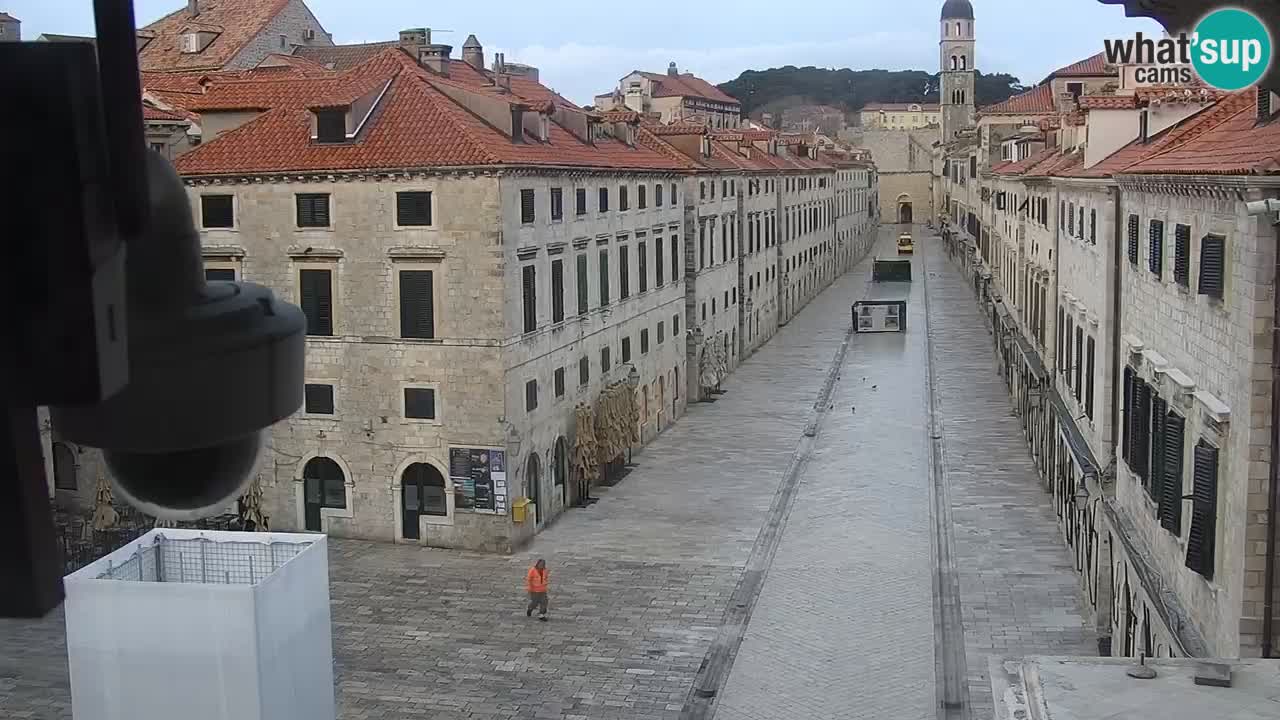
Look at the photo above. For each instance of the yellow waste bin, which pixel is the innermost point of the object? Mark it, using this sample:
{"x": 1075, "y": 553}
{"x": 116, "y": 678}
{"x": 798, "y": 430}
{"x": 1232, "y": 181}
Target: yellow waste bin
{"x": 519, "y": 509}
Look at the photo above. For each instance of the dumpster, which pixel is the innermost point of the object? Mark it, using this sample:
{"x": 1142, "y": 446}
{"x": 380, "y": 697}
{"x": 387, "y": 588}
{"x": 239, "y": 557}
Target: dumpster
{"x": 891, "y": 271}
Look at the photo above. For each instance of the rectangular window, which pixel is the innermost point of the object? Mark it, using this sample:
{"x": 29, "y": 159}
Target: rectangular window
{"x": 313, "y": 210}
{"x": 317, "y": 399}
{"x": 582, "y": 284}
{"x": 1126, "y": 425}
{"x": 1071, "y": 219}
{"x": 657, "y": 195}
{"x": 217, "y": 211}
{"x": 1140, "y": 429}
{"x": 1182, "y": 255}
{"x": 317, "y": 300}
{"x": 526, "y": 206}
{"x": 580, "y": 201}
{"x": 1088, "y": 383}
{"x": 1066, "y": 357}
{"x": 1133, "y": 240}
{"x": 584, "y": 371}
{"x": 603, "y": 200}
{"x": 604, "y": 359}
{"x": 662, "y": 331}
{"x": 1093, "y": 226}
{"x": 219, "y": 275}
{"x": 623, "y": 204}
{"x": 1079, "y": 365}
{"x": 413, "y": 209}
{"x": 420, "y": 403}
{"x": 417, "y": 313}
{"x": 642, "y": 200}
{"x": 624, "y": 272}
{"x": 604, "y": 277}
{"x": 531, "y": 396}
{"x": 673, "y": 194}
{"x": 529, "y": 296}
{"x": 557, "y": 204}
{"x": 642, "y": 265}
{"x": 331, "y": 126}
{"x": 1204, "y": 511}
{"x": 1155, "y": 260}
{"x": 702, "y": 245}
{"x": 557, "y": 291}
{"x": 1170, "y": 508}
{"x": 626, "y": 349}
{"x": 559, "y": 382}
{"x": 1155, "y": 463}
{"x": 973, "y": 166}
{"x": 675, "y": 325}
{"x": 644, "y": 341}
{"x": 1213, "y": 250}
{"x": 658, "y": 261}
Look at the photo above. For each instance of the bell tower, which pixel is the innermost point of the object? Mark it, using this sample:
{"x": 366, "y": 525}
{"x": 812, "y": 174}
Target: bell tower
{"x": 956, "y": 58}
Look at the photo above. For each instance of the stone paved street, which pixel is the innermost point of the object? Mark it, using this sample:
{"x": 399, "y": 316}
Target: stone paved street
{"x": 1017, "y": 586}
{"x": 843, "y": 625}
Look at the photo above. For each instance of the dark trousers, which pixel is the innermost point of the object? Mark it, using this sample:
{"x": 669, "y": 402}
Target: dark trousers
{"x": 537, "y": 600}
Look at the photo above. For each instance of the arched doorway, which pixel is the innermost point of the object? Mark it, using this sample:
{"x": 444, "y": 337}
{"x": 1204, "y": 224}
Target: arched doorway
{"x": 904, "y": 209}
{"x": 324, "y": 486}
{"x": 64, "y": 467}
{"x": 533, "y": 481}
{"x": 422, "y": 492}
{"x": 561, "y": 468}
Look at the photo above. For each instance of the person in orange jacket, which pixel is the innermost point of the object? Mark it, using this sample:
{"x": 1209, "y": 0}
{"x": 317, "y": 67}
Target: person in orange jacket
{"x": 536, "y": 583}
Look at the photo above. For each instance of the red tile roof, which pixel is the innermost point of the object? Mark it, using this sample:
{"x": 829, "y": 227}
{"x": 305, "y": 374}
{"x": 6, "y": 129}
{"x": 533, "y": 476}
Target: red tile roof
{"x": 1020, "y": 167}
{"x": 678, "y": 129}
{"x": 1094, "y": 66}
{"x": 290, "y": 65}
{"x": 1036, "y": 101}
{"x": 235, "y": 22}
{"x": 415, "y": 125}
{"x": 1109, "y": 102}
{"x": 151, "y": 112}
{"x": 1228, "y": 142}
{"x": 343, "y": 57}
{"x": 686, "y": 85}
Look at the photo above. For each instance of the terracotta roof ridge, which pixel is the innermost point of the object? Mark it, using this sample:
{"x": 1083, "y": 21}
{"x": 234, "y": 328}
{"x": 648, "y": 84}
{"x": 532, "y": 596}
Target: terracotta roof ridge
{"x": 195, "y": 153}
{"x": 447, "y": 108}
{"x": 1200, "y": 123}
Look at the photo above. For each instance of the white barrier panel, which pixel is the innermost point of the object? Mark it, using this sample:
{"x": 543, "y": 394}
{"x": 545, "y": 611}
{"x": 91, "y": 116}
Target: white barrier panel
{"x": 203, "y": 625}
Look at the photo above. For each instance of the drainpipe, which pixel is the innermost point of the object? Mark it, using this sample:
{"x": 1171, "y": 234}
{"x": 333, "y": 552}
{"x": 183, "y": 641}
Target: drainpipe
{"x": 1273, "y": 495}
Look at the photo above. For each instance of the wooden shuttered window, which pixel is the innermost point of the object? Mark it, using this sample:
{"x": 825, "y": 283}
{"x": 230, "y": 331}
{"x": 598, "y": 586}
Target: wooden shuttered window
{"x": 584, "y": 371}
{"x": 1067, "y": 354}
{"x": 559, "y": 382}
{"x": 1140, "y": 429}
{"x": 527, "y": 209}
{"x": 658, "y": 260}
{"x": 1156, "y": 466}
{"x": 1204, "y": 511}
{"x": 413, "y": 209}
{"x": 604, "y": 277}
{"x": 557, "y": 203}
{"x": 1093, "y": 226}
{"x": 417, "y": 313}
{"x": 626, "y": 349}
{"x": 580, "y": 201}
{"x": 624, "y": 272}
{"x": 1079, "y": 364}
{"x": 657, "y": 195}
{"x": 1182, "y": 255}
{"x": 642, "y": 264}
{"x": 1212, "y": 265}
{"x": 1062, "y": 328}
{"x": 312, "y": 209}
{"x": 1170, "y": 498}
{"x": 557, "y": 291}
{"x": 603, "y": 199}
{"x": 1125, "y": 435}
{"x": 642, "y": 199}
{"x": 1133, "y": 240}
{"x": 529, "y": 296}
{"x": 623, "y": 204}
{"x": 317, "y": 300}
{"x": 582, "y": 284}
{"x": 644, "y": 341}
{"x": 1155, "y": 259}
{"x": 1088, "y": 381}
{"x": 219, "y": 275}
{"x": 531, "y": 396}
{"x": 217, "y": 211}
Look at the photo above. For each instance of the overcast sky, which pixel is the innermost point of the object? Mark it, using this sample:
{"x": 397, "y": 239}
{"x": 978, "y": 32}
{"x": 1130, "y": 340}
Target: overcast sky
{"x": 582, "y": 47}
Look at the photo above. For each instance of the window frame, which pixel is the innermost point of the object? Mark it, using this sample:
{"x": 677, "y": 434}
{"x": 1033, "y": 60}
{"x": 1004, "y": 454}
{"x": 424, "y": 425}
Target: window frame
{"x": 398, "y": 280}
{"x": 431, "y": 210}
{"x": 306, "y": 412}
{"x": 297, "y": 210}
{"x": 436, "y": 405}
{"x": 234, "y": 226}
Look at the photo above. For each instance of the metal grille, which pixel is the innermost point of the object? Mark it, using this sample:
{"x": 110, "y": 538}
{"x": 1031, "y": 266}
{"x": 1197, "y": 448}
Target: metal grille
{"x": 202, "y": 560}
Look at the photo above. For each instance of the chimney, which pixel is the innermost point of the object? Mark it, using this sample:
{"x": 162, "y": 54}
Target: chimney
{"x": 473, "y": 53}
{"x": 193, "y": 7}
{"x": 517, "y": 123}
{"x": 499, "y": 63}
{"x": 671, "y": 69}
{"x": 435, "y": 57}
{"x": 413, "y": 38}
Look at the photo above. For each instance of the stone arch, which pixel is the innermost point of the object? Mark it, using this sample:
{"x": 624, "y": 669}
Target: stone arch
{"x": 955, "y": 62}
{"x": 397, "y": 491}
{"x": 533, "y": 484}
{"x": 904, "y": 209}
{"x": 64, "y": 467}
{"x": 299, "y": 488}
{"x": 964, "y": 62}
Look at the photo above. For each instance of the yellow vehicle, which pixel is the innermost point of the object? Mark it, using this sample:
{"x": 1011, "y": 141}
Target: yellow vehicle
{"x": 905, "y": 246}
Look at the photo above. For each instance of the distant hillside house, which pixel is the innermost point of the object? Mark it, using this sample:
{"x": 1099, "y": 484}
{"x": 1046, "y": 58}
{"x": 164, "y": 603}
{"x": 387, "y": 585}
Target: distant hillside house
{"x": 677, "y": 97}
{"x": 900, "y": 116}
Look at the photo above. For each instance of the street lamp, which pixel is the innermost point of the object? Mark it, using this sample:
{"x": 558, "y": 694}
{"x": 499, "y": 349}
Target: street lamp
{"x": 633, "y": 377}
{"x": 696, "y": 335}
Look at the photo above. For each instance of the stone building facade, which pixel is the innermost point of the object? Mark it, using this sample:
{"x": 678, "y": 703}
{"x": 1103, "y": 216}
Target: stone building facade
{"x": 227, "y": 35}
{"x": 464, "y": 297}
{"x": 10, "y": 28}
{"x": 1130, "y": 292}
{"x": 899, "y": 116}
{"x": 675, "y": 97}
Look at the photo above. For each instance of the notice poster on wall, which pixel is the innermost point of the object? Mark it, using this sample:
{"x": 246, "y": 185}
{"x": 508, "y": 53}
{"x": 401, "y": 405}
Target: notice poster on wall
{"x": 498, "y": 475}
{"x": 471, "y": 470}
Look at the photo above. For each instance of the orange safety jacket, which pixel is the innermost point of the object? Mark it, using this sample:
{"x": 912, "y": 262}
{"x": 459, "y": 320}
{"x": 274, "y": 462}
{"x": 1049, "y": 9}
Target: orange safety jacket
{"x": 536, "y": 581}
